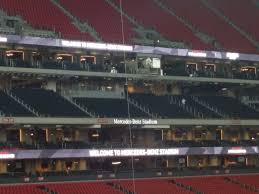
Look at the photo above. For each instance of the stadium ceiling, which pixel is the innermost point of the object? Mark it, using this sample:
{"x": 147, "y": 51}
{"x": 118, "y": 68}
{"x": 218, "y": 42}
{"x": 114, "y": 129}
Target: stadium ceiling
{"x": 50, "y": 73}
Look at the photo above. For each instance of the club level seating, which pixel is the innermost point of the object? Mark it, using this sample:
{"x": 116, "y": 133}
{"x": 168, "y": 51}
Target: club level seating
{"x": 9, "y": 107}
{"x": 48, "y": 102}
{"x": 201, "y": 109}
{"x": 151, "y": 16}
{"x": 44, "y": 15}
{"x": 160, "y": 105}
{"x": 110, "y": 107}
{"x": 231, "y": 106}
{"x": 107, "y": 24}
{"x": 234, "y": 8}
{"x": 195, "y": 12}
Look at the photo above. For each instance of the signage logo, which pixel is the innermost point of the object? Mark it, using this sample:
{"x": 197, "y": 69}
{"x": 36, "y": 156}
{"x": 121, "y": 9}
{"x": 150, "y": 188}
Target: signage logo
{"x": 135, "y": 121}
{"x": 133, "y": 152}
{"x": 232, "y": 56}
{"x": 237, "y": 151}
{"x": 6, "y": 155}
{"x": 197, "y": 54}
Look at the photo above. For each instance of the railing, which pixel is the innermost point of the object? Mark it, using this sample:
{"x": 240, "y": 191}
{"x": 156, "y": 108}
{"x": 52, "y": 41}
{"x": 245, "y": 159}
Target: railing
{"x": 228, "y": 20}
{"x": 22, "y": 103}
{"x": 82, "y": 108}
{"x": 101, "y": 174}
{"x": 208, "y": 106}
{"x": 189, "y": 109}
{"x": 251, "y": 101}
{"x": 141, "y": 107}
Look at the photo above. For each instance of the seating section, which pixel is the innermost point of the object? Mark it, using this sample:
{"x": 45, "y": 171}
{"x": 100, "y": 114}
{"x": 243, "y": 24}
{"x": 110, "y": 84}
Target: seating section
{"x": 160, "y": 105}
{"x": 205, "y": 185}
{"x": 195, "y": 12}
{"x": 202, "y": 110}
{"x": 231, "y": 106}
{"x": 151, "y": 16}
{"x": 233, "y": 8}
{"x": 251, "y": 180}
{"x": 21, "y": 189}
{"x": 48, "y": 103}
{"x": 213, "y": 185}
{"x": 79, "y": 188}
{"x": 208, "y": 143}
{"x": 44, "y": 15}
{"x": 107, "y": 24}
{"x": 10, "y": 107}
{"x": 152, "y": 187}
{"x": 110, "y": 107}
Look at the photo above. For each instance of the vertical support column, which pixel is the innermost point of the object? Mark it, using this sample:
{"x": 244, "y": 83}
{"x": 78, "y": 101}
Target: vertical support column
{"x": 47, "y": 131}
{"x": 3, "y": 137}
{"x": 30, "y": 167}
{"x": 213, "y": 161}
{"x": 189, "y": 135}
{"x": 59, "y": 165}
{"x": 246, "y": 135}
{"x": 82, "y": 164}
{"x": 23, "y": 136}
{"x": 3, "y": 166}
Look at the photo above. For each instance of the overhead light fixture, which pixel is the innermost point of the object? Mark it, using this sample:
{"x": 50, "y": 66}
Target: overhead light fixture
{"x": 95, "y": 135}
{"x": 116, "y": 163}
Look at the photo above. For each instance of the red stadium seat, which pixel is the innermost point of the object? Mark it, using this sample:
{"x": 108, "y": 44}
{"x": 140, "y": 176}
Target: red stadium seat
{"x": 195, "y": 12}
{"x": 150, "y": 15}
{"x": 105, "y": 19}
{"x": 44, "y": 15}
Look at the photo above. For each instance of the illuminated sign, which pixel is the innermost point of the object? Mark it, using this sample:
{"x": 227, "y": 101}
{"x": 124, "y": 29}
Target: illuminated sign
{"x": 133, "y": 152}
{"x": 156, "y": 63}
{"x": 197, "y": 54}
{"x": 97, "y": 46}
{"x": 6, "y": 155}
{"x": 135, "y": 121}
{"x": 232, "y": 56}
{"x": 237, "y": 151}
{"x": 3, "y": 39}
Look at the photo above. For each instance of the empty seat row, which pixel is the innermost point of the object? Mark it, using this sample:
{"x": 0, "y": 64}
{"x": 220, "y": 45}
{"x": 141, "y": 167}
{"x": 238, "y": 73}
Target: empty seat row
{"x": 44, "y": 15}
{"x": 103, "y": 17}
{"x": 9, "y": 107}
{"x": 231, "y": 106}
{"x": 195, "y": 11}
{"x": 48, "y": 102}
{"x": 185, "y": 185}
{"x": 108, "y": 107}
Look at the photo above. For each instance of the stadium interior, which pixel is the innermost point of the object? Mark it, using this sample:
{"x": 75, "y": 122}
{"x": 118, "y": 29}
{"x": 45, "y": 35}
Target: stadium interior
{"x": 129, "y": 97}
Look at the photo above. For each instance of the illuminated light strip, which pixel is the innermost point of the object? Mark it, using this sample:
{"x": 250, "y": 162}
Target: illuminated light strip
{"x": 3, "y": 39}
{"x": 232, "y": 56}
{"x": 98, "y": 46}
{"x": 133, "y": 152}
{"x": 197, "y": 54}
{"x": 7, "y": 156}
{"x": 237, "y": 151}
